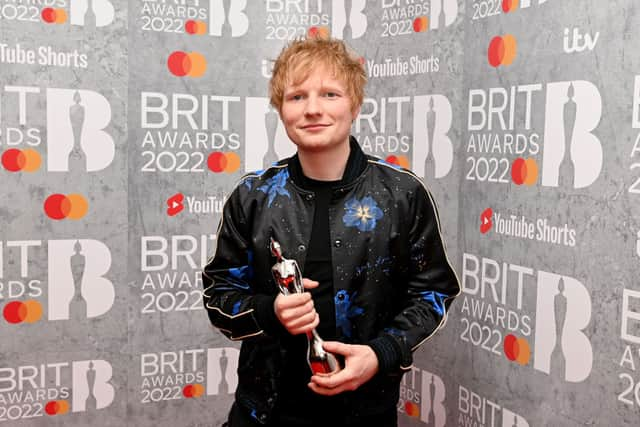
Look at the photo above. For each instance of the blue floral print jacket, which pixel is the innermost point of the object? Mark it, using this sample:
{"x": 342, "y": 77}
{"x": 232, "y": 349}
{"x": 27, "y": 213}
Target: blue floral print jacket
{"x": 392, "y": 280}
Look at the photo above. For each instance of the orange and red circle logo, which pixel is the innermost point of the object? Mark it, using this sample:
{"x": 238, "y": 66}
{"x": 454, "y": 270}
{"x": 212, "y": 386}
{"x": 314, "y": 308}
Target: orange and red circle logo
{"x": 319, "y": 32}
{"x": 52, "y": 15}
{"x": 524, "y": 171}
{"x": 191, "y": 64}
{"x": 29, "y": 311}
{"x": 27, "y": 160}
{"x": 502, "y": 50}
{"x": 399, "y": 160}
{"x": 194, "y": 27}
{"x": 509, "y": 5}
{"x": 56, "y": 407}
{"x": 223, "y": 162}
{"x": 193, "y": 390}
{"x": 420, "y": 24}
{"x": 72, "y": 206}
{"x": 517, "y": 349}
{"x": 412, "y": 409}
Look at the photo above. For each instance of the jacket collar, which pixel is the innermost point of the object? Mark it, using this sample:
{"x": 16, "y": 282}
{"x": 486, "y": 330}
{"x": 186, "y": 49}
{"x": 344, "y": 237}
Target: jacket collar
{"x": 356, "y": 164}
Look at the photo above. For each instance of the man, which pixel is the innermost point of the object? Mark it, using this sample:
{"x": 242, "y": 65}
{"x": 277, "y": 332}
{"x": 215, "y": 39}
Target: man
{"x": 366, "y": 236}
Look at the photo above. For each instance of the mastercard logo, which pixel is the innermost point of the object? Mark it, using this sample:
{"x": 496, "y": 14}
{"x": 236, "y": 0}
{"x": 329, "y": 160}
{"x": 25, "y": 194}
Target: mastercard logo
{"x": 54, "y": 16}
{"x": 524, "y": 171}
{"x": 29, "y": 311}
{"x": 193, "y": 390}
{"x": 27, "y": 160}
{"x": 223, "y": 162}
{"x": 72, "y": 206}
{"x": 400, "y": 160}
{"x": 412, "y": 409}
{"x": 191, "y": 64}
{"x": 502, "y": 50}
{"x": 509, "y": 5}
{"x": 197, "y": 28}
{"x": 517, "y": 349}
{"x": 420, "y": 24}
{"x": 320, "y": 32}
{"x": 56, "y": 407}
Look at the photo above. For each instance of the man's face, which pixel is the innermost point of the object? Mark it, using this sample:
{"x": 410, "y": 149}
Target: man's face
{"x": 317, "y": 113}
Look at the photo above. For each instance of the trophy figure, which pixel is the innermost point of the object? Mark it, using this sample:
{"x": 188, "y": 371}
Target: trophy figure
{"x": 78, "y": 305}
{"x": 77, "y": 157}
{"x": 90, "y": 16}
{"x": 567, "y": 168}
{"x": 287, "y": 275}
{"x": 271, "y": 125}
{"x": 91, "y": 403}
{"x": 429, "y": 161}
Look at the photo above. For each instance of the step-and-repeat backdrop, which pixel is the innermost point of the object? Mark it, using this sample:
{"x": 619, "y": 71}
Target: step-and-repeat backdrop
{"x": 124, "y": 125}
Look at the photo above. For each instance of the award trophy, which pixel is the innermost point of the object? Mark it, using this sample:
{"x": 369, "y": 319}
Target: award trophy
{"x": 287, "y": 275}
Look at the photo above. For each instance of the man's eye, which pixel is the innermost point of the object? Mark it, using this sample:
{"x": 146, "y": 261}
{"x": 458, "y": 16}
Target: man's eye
{"x": 296, "y": 97}
{"x": 331, "y": 94}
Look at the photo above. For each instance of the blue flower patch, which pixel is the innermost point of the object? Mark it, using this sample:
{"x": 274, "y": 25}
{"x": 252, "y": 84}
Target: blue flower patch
{"x": 345, "y": 311}
{"x": 436, "y": 299}
{"x": 362, "y": 214}
{"x": 275, "y": 186}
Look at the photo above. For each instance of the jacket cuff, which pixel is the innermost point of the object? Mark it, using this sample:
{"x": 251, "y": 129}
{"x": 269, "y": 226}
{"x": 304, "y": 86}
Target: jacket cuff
{"x": 389, "y": 353}
{"x": 266, "y": 316}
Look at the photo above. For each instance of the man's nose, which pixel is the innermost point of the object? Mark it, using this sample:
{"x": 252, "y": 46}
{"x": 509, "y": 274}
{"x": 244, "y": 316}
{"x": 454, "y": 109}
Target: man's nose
{"x": 313, "y": 106}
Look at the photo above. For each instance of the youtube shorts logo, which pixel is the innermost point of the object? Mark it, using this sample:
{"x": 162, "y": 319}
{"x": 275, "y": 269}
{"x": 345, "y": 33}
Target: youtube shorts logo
{"x": 485, "y": 220}
{"x": 174, "y": 204}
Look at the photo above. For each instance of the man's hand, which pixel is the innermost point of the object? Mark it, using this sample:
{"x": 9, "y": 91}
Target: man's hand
{"x": 296, "y": 312}
{"x": 361, "y": 364}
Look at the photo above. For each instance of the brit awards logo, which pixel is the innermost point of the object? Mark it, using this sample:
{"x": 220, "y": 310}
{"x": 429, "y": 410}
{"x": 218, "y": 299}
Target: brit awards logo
{"x": 186, "y": 133}
{"x": 269, "y": 140}
{"x": 172, "y": 267}
{"x": 403, "y": 18}
{"x": 89, "y": 14}
{"x": 349, "y": 20}
{"x": 217, "y": 18}
{"x": 496, "y": 317}
{"x": 54, "y": 389}
{"x": 432, "y": 147}
{"x": 193, "y": 373}
{"x": 475, "y": 409}
{"x": 504, "y": 146}
{"x": 630, "y": 334}
{"x": 422, "y": 397}
{"x": 228, "y": 17}
{"x": 77, "y": 136}
{"x": 78, "y": 288}
{"x": 77, "y": 284}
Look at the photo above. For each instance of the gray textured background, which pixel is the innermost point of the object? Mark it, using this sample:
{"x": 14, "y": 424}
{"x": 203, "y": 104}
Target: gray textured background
{"x": 152, "y": 340}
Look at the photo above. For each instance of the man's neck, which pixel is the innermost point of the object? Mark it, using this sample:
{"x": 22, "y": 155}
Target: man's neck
{"x": 326, "y": 165}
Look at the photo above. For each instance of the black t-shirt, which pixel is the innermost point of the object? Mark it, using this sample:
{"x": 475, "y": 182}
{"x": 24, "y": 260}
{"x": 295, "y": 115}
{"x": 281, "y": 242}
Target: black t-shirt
{"x": 317, "y": 266}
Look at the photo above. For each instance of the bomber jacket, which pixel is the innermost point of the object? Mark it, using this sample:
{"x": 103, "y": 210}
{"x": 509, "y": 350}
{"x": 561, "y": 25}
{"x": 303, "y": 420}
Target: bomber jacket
{"x": 392, "y": 280}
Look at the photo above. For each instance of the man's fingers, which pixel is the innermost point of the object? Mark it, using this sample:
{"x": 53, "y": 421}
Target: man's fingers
{"x": 310, "y": 284}
{"x": 333, "y": 381}
{"x": 297, "y": 311}
{"x": 302, "y": 321}
{"x": 306, "y": 328}
{"x": 337, "y": 347}
{"x": 293, "y": 300}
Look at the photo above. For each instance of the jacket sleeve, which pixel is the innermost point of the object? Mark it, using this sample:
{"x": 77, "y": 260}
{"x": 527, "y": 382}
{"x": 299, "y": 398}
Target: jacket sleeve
{"x": 229, "y": 293}
{"x": 431, "y": 286}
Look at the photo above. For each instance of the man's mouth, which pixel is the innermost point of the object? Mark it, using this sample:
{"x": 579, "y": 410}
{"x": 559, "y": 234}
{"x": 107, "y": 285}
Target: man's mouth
{"x": 315, "y": 126}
